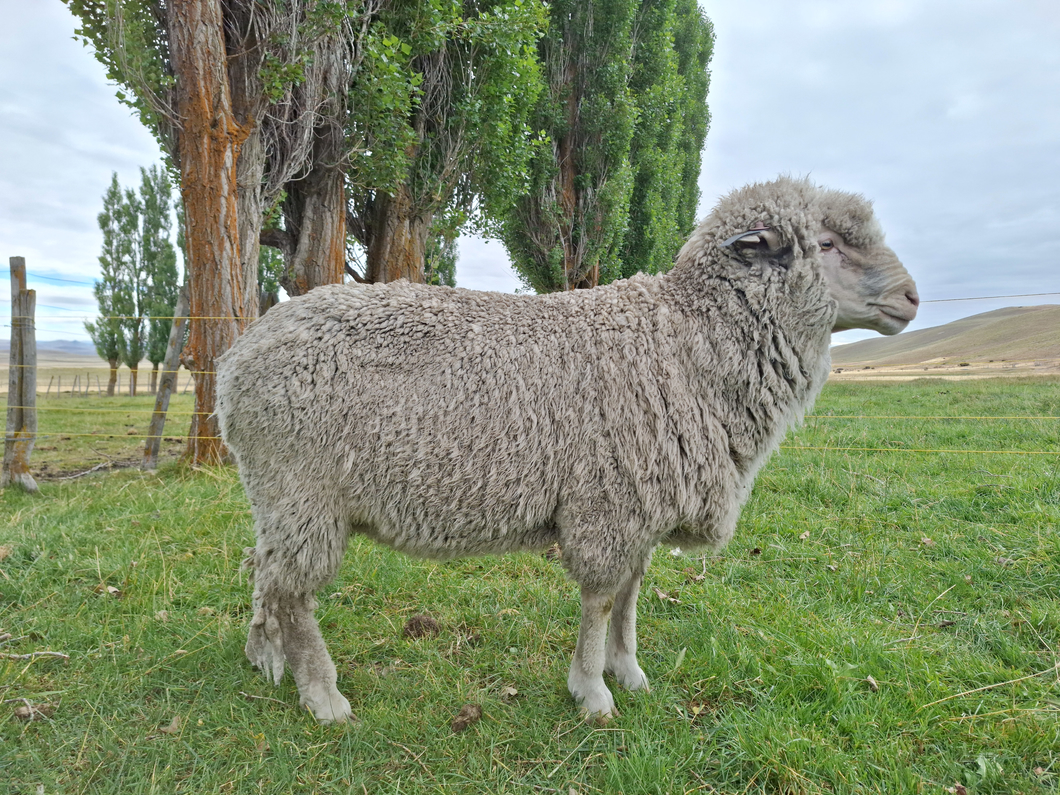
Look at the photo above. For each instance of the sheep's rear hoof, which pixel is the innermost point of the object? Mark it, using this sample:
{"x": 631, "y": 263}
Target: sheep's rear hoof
{"x": 629, "y": 674}
{"x": 327, "y": 706}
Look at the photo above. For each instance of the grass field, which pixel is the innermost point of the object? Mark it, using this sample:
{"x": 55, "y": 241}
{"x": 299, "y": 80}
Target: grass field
{"x": 886, "y": 621}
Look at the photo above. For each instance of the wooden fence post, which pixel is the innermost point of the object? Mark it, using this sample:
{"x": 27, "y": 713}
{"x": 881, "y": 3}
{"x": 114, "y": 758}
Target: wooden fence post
{"x": 21, "y": 384}
{"x": 168, "y": 382}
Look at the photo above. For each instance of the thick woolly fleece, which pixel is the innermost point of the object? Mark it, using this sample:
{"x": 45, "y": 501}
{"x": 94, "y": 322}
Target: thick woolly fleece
{"x": 447, "y": 422}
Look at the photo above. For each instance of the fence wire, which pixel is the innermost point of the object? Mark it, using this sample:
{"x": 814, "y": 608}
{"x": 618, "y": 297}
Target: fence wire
{"x": 60, "y": 435}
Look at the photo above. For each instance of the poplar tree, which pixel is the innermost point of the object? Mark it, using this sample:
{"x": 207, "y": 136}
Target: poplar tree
{"x": 441, "y": 127}
{"x": 565, "y": 231}
{"x": 106, "y": 332}
{"x": 160, "y": 263}
{"x": 132, "y": 309}
{"x": 625, "y": 113}
{"x": 672, "y": 50}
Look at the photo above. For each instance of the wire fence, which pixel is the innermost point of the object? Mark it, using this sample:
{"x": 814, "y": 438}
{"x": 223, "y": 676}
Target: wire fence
{"x": 71, "y": 370}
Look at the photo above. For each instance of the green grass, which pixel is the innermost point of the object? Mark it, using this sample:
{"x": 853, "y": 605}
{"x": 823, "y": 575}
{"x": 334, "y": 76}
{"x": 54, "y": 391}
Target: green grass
{"x": 938, "y": 575}
{"x": 78, "y": 433}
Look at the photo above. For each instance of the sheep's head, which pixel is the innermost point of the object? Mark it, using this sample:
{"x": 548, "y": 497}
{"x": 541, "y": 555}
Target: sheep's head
{"x": 790, "y": 229}
{"x": 864, "y": 275}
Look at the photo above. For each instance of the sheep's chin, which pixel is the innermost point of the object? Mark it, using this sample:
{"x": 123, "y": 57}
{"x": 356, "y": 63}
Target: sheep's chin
{"x": 879, "y": 321}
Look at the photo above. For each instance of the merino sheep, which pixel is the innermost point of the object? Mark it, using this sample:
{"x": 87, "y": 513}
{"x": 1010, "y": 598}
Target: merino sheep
{"x": 448, "y": 422}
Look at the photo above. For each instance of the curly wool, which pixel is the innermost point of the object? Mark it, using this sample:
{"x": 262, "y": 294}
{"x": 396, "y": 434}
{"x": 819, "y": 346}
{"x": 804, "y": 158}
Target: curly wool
{"x": 447, "y": 422}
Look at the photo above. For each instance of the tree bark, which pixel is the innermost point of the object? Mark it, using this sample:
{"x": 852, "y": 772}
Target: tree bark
{"x": 398, "y": 240}
{"x": 315, "y": 215}
{"x": 168, "y": 384}
{"x": 134, "y": 373}
{"x": 154, "y": 378}
{"x": 315, "y": 211}
{"x": 250, "y": 169}
{"x": 209, "y": 143}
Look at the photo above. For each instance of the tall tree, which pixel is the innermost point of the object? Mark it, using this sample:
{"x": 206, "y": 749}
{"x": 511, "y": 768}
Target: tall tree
{"x": 441, "y": 121}
{"x": 567, "y": 228}
{"x": 132, "y": 310}
{"x": 304, "y": 132}
{"x": 201, "y": 74}
{"x": 160, "y": 263}
{"x": 626, "y": 114}
{"x": 673, "y": 43}
{"x": 106, "y": 333}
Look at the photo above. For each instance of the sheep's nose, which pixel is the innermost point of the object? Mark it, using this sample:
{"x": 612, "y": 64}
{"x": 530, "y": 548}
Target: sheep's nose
{"x": 912, "y": 297}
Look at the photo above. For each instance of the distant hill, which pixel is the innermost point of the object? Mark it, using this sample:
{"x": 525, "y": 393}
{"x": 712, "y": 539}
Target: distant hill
{"x": 1018, "y": 333}
{"x": 64, "y": 347}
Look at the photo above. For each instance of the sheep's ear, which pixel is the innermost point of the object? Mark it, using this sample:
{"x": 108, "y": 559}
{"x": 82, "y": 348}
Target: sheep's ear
{"x": 761, "y": 244}
{"x": 750, "y": 236}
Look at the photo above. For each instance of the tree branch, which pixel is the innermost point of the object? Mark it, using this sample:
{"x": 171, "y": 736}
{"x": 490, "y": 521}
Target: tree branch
{"x": 277, "y": 238}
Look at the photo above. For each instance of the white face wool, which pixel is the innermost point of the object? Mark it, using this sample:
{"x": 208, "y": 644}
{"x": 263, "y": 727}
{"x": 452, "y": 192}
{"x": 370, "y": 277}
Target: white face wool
{"x": 448, "y": 422}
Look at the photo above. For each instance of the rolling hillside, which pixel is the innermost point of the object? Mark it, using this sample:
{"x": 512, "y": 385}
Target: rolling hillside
{"x": 1017, "y": 339}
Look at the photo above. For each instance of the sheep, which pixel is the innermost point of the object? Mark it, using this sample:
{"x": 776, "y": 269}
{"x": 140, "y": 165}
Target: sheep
{"x": 447, "y": 422}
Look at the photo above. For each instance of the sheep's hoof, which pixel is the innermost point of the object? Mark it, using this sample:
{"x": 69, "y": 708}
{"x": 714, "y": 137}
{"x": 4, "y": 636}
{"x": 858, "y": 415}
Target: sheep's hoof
{"x": 595, "y": 700}
{"x": 327, "y": 706}
{"x": 628, "y": 674}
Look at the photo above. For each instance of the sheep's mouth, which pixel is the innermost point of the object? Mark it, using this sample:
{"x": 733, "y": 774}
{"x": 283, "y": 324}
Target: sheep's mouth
{"x": 893, "y": 320}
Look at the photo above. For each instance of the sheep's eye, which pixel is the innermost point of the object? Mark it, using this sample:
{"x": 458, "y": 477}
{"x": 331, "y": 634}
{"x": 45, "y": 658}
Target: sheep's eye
{"x": 827, "y": 245}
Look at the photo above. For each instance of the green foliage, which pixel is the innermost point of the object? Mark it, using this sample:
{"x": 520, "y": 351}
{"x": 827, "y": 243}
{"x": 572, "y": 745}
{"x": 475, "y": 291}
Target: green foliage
{"x": 759, "y": 656}
{"x": 669, "y": 82}
{"x": 442, "y": 102}
{"x": 270, "y": 272}
{"x": 279, "y": 76}
{"x": 440, "y": 265}
{"x": 570, "y": 221}
{"x": 111, "y": 288}
{"x": 159, "y": 258}
{"x": 138, "y": 268}
{"x": 382, "y": 99}
{"x": 616, "y": 191}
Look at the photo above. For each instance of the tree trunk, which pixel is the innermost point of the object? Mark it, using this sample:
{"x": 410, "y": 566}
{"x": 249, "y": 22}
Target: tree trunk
{"x": 113, "y": 377}
{"x": 134, "y": 373}
{"x": 315, "y": 214}
{"x": 398, "y": 241}
{"x": 209, "y": 143}
{"x": 168, "y": 385}
{"x": 249, "y": 171}
{"x": 154, "y": 378}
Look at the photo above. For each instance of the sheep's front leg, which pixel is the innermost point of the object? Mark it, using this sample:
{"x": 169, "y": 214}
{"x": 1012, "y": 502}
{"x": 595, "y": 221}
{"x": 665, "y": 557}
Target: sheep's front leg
{"x": 620, "y": 658}
{"x": 586, "y": 678}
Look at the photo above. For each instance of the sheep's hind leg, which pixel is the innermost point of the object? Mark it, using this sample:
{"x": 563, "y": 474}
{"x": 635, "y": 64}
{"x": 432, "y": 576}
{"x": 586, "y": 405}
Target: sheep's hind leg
{"x": 620, "y": 656}
{"x": 586, "y": 678}
{"x": 284, "y": 629}
{"x": 314, "y": 672}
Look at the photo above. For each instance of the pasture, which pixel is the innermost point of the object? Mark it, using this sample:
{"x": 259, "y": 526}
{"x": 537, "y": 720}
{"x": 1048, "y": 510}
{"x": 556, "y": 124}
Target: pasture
{"x": 887, "y": 620}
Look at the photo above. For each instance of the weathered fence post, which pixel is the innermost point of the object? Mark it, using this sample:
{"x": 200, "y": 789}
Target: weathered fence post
{"x": 168, "y": 382}
{"x": 21, "y": 383}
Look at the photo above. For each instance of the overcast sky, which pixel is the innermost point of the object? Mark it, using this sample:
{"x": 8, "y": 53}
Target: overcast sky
{"x": 945, "y": 113}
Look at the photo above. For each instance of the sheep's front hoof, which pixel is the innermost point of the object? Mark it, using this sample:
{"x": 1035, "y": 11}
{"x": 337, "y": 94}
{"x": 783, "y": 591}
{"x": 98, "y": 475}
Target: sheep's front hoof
{"x": 327, "y": 706}
{"x": 595, "y": 700}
